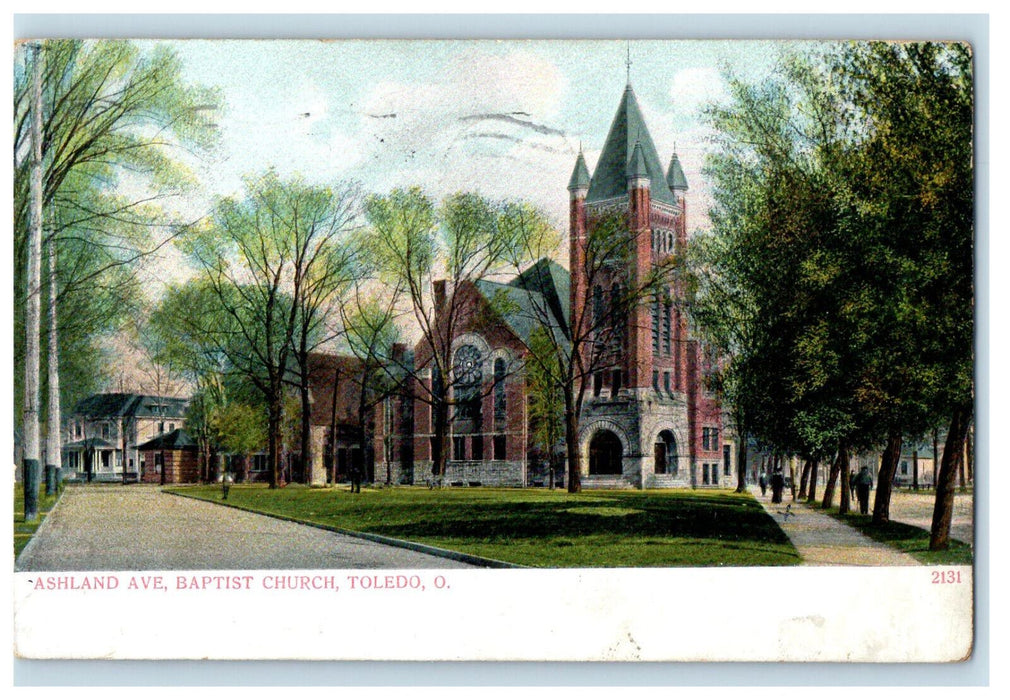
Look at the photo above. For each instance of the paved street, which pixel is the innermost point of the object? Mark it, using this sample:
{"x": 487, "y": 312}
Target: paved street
{"x": 125, "y": 528}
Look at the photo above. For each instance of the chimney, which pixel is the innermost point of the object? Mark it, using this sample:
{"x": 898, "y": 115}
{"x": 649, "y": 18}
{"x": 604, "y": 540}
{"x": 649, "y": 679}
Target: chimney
{"x": 439, "y": 291}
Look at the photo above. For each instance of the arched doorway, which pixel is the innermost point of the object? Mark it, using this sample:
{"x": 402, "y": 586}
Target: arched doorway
{"x": 605, "y": 453}
{"x": 666, "y": 453}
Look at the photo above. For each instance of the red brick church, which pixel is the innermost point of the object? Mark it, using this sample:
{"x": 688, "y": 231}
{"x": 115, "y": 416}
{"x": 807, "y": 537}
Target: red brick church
{"x": 647, "y": 421}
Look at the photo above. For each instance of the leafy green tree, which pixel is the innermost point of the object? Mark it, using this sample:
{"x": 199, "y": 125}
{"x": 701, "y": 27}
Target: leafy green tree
{"x": 118, "y": 124}
{"x": 263, "y": 260}
{"x": 242, "y": 429}
{"x": 544, "y": 379}
{"x": 843, "y": 195}
{"x": 424, "y": 254}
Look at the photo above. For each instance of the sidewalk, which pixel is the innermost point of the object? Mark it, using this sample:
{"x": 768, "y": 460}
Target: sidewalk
{"x": 823, "y": 541}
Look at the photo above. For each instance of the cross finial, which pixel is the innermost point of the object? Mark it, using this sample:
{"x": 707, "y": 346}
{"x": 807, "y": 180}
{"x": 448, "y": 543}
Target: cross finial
{"x": 628, "y": 63}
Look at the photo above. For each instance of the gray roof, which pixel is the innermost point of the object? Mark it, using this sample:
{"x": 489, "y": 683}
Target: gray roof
{"x": 535, "y": 298}
{"x": 580, "y": 175}
{"x": 628, "y": 128}
{"x": 178, "y": 439}
{"x": 131, "y": 405}
{"x": 94, "y": 443}
{"x": 675, "y": 175}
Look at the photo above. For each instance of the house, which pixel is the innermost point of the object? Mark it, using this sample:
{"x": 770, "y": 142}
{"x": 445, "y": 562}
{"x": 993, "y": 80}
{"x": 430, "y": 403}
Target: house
{"x": 170, "y": 458}
{"x": 105, "y": 429}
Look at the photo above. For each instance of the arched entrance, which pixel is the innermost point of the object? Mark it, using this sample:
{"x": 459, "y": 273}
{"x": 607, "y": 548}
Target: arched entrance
{"x": 605, "y": 453}
{"x": 665, "y": 453}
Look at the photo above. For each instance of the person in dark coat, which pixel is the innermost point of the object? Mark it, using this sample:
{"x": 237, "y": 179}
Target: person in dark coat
{"x": 852, "y": 484}
{"x": 778, "y": 483}
{"x": 355, "y": 476}
{"x": 763, "y": 483}
{"x": 864, "y": 482}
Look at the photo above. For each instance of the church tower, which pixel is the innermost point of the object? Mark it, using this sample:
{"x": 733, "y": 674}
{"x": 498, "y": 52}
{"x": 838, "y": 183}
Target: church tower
{"x": 647, "y": 419}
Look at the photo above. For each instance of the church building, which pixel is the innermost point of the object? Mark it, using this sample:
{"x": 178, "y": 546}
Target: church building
{"x": 648, "y": 420}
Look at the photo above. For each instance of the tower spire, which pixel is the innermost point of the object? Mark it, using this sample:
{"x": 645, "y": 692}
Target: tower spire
{"x": 628, "y": 62}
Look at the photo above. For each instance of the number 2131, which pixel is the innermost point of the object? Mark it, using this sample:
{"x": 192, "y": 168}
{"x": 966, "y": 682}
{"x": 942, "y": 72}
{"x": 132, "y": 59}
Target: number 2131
{"x": 949, "y": 576}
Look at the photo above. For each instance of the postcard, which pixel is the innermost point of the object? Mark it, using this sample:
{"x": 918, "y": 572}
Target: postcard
{"x": 568, "y": 350}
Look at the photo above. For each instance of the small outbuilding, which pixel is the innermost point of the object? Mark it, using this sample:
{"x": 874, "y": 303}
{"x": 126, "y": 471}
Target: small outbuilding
{"x": 170, "y": 458}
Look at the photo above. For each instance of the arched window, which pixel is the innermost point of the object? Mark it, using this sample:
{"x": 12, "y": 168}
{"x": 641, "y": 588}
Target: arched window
{"x": 466, "y": 370}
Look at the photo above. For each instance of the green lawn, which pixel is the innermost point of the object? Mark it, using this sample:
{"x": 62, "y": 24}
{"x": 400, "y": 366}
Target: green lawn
{"x": 909, "y": 539}
{"x": 542, "y": 528}
{"x": 23, "y": 531}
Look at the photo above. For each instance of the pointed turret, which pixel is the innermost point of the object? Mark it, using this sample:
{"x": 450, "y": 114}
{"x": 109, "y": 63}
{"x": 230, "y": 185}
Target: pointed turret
{"x": 675, "y": 175}
{"x": 627, "y": 130}
{"x": 638, "y": 173}
{"x": 579, "y": 184}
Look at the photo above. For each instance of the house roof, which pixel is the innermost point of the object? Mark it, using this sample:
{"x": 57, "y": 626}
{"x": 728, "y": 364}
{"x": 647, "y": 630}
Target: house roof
{"x": 94, "y": 443}
{"x": 178, "y": 439}
{"x": 118, "y": 405}
{"x": 610, "y": 179}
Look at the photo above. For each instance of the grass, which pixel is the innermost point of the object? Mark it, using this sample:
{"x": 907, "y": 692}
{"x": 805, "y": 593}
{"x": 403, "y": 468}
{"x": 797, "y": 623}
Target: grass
{"x": 542, "y": 528}
{"x": 909, "y": 539}
{"x": 23, "y": 531}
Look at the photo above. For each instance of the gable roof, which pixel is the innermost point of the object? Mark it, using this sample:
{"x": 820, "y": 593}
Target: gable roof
{"x": 522, "y": 303}
{"x": 610, "y": 179}
{"x": 178, "y": 439}
{"x": 117, "y": 405}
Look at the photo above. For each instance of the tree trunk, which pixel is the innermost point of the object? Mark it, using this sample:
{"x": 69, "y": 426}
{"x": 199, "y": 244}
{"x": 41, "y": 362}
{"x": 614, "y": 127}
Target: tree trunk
{"x": 963, "y": 448}
{"x": 30, "y": 409}
{"x": 333, "y": 428}
{"x": 915, "y": 469}
{"x": 836, "y": 466}
{"x": 54, "y": 458}
{"x": 885, "y": 478}
{"x": 306, "y": 418}
{"x": 741, "y": 463}
{"x": 969, "y": 454}
{"x": 274, "y": 440}
{"x": 936, "y": 456}
{"x": 805, "y": 477}
{"x": 572, "y": 448}
{"x": 943, "y": 507}
{"x": 812, "y": 486}
{"x": 845, "y": 501}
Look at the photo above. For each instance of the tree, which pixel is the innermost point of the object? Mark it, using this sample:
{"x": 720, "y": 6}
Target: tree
{"x": 851, "y": 170}
{"x": 115, "y": 116}
{"x": 372, "y": 334}
{"x": 426, "y": 255}
{"x": 264, "y": 260}
{"x": 547, "y": 402}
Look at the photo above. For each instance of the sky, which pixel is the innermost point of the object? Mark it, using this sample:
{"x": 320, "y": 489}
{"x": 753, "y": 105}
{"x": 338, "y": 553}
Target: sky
{"x": 504, "y": 118}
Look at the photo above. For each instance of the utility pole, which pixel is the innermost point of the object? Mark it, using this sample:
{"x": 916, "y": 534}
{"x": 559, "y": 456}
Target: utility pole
{"x": 30, "y": 411}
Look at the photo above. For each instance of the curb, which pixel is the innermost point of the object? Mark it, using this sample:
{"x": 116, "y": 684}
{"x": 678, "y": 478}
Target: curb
{"x": 371, "y": 537}
{"x": 30, "y": 547}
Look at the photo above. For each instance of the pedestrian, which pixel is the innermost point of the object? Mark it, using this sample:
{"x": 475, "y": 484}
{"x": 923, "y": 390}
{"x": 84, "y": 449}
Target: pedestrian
{"x": 864, "y": 482}
{"x": 778, "y": 483}
{"x": 355, "y": 476}
{"x": 763, "y": 482}
{"x": 852, "y": 483}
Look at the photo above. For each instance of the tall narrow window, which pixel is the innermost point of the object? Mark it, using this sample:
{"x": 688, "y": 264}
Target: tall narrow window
{"x": 499, "y": 447}
{"x": 666, "y": 382}
{"x": 477, "y": 448}
{"x": 655, "y": 380}
{"x": 458, "y": 448}
{"x": 615, "y": 382}
{"x": 667, "y": 311}
{"x": 655, "y": 326}
{"x": 499, "y": 389}
{"x": 597, "y": 383}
